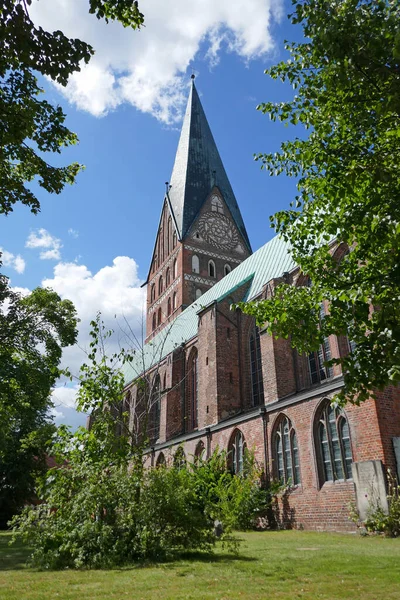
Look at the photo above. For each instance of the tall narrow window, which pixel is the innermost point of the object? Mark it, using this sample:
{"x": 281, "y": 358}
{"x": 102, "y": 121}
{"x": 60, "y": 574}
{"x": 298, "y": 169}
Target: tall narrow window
{"x": 160, "y": 286}
{"x": 154, "y": 322}
{"x": 159, "y": 316}
{"x": 174, "y": 301}
{"x": 199, "y": 451}
{"x": 211, "y": 268}
{"x": 192, "y": 397}
{"x": 152, "y": 292}
{"x": 257, "y": 385}
{"x": 236, "y": 449}
{"x": 179, "y": 459}
{"x": 227, "y": 269}
{"x": 175, "y": 269}
{"x": 155, "y": 410}
{"x": 169, "y": 235}
{"x": 286, "y": 452}
{"x": 161, "y": 462}
{"x": 195, "y": 264}
{"x": 316, "y": 360}
{"x": 333, "y": 444}
{"x": 174, "y": 239}
{"x": 169, "y": 308}
{"x": 162, "y": 245}
{"x": 167, "y": 277}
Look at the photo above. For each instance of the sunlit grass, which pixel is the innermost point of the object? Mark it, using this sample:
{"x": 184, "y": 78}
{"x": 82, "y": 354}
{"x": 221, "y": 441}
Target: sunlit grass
{"x": 270, "y": 565}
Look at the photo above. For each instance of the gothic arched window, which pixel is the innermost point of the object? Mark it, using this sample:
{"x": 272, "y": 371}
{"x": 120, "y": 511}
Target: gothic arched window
{"x": 155, "y": 410}
{"x": 236, "y": 450}
{"x": 174, "y": 301}
{"x": 152, "y": 292}
{"x": 286, "y": 452}
{"x": 192, "y": 396}
{"x": 160, "y": 285}
{"x": 257, "y": 385}
{"x": 175, "y": 269}
{"x": 211, "y": 268}
{"x": 161, "y": 462}
{"x": 227, "y": 269}
{"x": 199, "y": 451}
{"x": 159, "y": 316}
{"x": 154, "y": 322}
{"x": 174, "y": 239}
{"x": 195, "y": 264}
{"x": 179, "y": 459}
{"x": 333, "y": 444}
{"x": 169, "y": 309}
{"x": 198, "y": 293}
{"x": 316, "y": 360}
{"x": 169, "y": 236}
{"x": 167, "y": 277}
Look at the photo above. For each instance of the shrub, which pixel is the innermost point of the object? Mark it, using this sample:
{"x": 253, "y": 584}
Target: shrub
{"x": 379, "y": 521}
{"x": 97, "y": 511}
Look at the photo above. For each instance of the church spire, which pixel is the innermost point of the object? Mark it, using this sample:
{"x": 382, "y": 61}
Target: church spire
{"x": 198, "y": 168}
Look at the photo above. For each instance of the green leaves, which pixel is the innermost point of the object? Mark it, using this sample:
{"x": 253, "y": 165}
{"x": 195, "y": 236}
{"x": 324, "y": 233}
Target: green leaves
{"x": 125, "y": 11}
{"x": 33, "y": 331}
{"x": 347, "y": 81}
{"x": 30, "y": 126}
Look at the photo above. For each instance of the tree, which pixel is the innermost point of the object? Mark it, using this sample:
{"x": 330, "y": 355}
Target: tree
{"x": 99, "y": 507}
{"x": 102, "y": 388}
{"x": 30, "y": 127}
{"x": 346, "y": 73}
{"x": 33, "y": 331}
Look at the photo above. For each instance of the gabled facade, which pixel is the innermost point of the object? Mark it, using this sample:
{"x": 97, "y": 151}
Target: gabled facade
{"x": 223, "y": 383}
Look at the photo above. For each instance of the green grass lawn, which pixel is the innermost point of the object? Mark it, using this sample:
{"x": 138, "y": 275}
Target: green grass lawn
{"x": 270, "y": 565}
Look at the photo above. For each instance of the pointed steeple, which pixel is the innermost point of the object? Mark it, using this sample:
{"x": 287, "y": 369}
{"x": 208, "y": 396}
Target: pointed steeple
{"x": 198, "y": 168}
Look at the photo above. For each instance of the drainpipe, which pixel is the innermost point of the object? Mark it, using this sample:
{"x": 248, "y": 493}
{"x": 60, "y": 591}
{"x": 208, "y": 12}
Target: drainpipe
{"x": 239, "y": 334}
{"x": 183, "y": 389}
{"x": 208, "y": 449}
{"x": 264, "y": 415}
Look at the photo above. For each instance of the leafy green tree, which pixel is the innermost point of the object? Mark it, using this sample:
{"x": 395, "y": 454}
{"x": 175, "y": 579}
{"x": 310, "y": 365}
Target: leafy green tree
{"x": 30, "y": 127}
{"x": 100, "y": 507}
{"x": 33, "y": 331}
{"x": 346, "y": 76}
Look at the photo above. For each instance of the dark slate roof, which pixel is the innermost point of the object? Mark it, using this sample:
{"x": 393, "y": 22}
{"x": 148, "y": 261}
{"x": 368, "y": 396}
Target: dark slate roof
{"x": 193, "y": 178}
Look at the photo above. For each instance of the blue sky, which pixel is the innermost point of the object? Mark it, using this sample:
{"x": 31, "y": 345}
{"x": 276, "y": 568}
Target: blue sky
{"x": 94, "y": 241}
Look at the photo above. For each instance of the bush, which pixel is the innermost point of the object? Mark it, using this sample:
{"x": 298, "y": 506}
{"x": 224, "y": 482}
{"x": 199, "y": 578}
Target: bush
{"x": 378, "y": 521}
{"x": 98, "y": 513}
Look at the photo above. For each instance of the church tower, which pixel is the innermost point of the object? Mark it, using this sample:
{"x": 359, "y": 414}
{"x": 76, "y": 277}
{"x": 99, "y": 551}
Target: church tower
{"x": 201, "y": 235}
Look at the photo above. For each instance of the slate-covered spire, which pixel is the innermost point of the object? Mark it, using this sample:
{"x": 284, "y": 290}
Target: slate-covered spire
{"x": 198, "y": 167}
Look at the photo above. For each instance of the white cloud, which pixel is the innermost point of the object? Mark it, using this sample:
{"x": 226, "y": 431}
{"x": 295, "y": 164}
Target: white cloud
{"x": 147, "y": 68}
{"x": 16, "y": 262}
{"x": 64, "y": 396}
{"x": 43, "y": 239}
{"x": 73, "y": 233}
{"x": 114, "y": 291}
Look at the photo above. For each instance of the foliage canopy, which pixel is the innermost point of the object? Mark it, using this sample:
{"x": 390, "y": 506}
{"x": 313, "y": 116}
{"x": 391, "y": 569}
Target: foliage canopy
{"x": 346, "y": 76}
{"x": 30, "y": 127}
{"x": 33, "y": 331}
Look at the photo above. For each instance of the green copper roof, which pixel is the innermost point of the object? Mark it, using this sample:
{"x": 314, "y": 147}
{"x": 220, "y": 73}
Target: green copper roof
{"x": 197, "y": 168}
{"x": 270, "y": 261}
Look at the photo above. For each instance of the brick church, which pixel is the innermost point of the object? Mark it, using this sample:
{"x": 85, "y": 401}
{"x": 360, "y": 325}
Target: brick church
{"x": 220, "y": 382}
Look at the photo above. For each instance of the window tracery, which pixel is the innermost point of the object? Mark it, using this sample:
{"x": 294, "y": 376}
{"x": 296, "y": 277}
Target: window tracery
{"x": 286, "y": 452}
{"x": 257, "y": 384}
{"x": 333, "y": 444}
